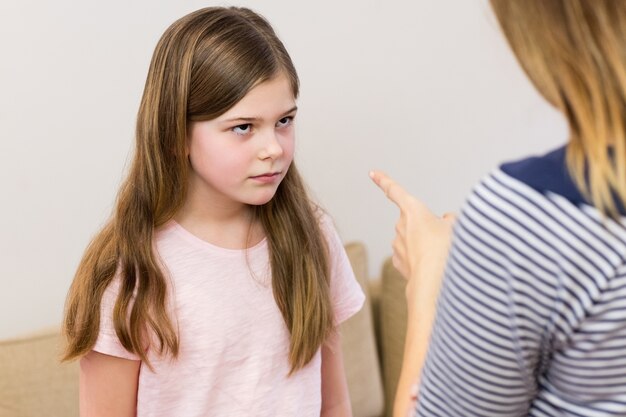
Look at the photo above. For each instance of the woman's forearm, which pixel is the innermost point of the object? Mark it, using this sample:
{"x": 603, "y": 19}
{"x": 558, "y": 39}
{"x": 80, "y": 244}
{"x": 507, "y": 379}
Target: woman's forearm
{"x": 421, "y": 294}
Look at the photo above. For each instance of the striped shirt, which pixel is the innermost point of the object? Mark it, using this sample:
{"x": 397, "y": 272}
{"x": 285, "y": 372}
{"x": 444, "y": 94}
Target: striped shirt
{"x": 531, "y": 318}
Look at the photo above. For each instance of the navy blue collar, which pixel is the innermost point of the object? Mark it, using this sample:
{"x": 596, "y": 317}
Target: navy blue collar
{"x": 549, "y": 173}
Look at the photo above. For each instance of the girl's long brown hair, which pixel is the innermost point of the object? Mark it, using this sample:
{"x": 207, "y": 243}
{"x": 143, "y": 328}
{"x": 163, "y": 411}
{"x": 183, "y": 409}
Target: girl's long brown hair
{"x": 574, "y": 51}
{"x": 203, "y": 65}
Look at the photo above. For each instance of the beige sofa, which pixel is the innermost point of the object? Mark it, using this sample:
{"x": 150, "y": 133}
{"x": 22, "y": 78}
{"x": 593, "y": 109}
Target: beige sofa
{"x": 33, "y": 384}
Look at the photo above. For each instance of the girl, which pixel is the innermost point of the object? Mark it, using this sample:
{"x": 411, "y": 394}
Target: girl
{"x": 217, "y": 286}
{"x": 531, "y": 317}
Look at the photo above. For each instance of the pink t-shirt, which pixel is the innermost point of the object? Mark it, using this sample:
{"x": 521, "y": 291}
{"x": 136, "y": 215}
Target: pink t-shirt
{"x": 233, "y": 339}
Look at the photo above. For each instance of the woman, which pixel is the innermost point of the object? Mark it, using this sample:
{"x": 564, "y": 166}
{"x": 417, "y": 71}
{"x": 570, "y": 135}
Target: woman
{"x": 531, "y": 318}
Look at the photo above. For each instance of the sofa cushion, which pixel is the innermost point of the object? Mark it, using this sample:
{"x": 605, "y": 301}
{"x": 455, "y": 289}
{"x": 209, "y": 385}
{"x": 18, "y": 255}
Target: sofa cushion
{"x": 32, "y": 382}
{"x": 393, "y": 314}
{"x": 359, "y": 347}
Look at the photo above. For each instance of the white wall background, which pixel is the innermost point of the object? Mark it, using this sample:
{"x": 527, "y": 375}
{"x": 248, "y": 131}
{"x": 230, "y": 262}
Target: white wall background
{"x": 424, "y": 89}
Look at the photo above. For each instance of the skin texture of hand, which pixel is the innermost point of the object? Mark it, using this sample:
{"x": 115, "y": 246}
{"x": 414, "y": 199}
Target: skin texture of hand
{"x": 420, "y": 250}
{"x": 421, "y": 236}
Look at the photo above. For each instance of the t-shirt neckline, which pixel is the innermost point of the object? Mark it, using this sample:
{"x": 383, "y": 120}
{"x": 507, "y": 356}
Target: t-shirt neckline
{"x": 199, "y": 242}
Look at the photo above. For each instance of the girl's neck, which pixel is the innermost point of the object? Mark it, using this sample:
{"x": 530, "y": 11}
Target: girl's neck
{"x": 227, "y": 226}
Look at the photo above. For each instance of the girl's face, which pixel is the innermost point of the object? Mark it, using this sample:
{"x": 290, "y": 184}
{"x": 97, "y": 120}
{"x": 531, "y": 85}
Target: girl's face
{"x": 242, "y": 156}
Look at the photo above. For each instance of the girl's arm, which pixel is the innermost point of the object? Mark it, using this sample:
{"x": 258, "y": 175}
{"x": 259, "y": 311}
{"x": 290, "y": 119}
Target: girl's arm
{"x": 335, "y": 397}
{"x": 108, "y": 386}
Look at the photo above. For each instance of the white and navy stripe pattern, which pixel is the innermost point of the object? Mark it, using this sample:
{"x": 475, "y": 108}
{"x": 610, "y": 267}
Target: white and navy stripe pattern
{"x": 532, "y": 312}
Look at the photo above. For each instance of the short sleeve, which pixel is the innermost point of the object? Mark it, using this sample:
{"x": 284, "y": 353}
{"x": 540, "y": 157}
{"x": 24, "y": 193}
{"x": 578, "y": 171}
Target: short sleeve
{"x": 108, "y": 342}
{"x": 347, "y": 297}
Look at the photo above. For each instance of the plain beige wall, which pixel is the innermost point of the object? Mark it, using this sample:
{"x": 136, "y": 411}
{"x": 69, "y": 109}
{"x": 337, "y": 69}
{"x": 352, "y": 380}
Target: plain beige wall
{"x": 424, "y": 89}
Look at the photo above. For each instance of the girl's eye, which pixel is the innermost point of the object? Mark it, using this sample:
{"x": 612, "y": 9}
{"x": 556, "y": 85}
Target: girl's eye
{"x": 285, "y": 121}
{"x": 242, "y": 129}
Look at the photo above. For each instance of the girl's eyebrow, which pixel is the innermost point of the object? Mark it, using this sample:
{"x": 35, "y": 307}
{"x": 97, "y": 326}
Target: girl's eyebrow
{"x": 254, "y": 119}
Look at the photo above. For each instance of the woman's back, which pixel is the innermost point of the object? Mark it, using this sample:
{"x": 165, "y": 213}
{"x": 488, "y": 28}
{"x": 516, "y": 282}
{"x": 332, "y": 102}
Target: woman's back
{"x": 531, "y": 313}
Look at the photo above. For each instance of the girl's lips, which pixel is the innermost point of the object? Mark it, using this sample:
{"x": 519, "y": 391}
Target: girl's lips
{"x": 267, "y": 178}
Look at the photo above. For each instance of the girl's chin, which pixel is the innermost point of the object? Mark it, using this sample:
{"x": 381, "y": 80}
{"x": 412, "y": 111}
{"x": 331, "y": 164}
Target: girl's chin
{"x": 261, "y": 200}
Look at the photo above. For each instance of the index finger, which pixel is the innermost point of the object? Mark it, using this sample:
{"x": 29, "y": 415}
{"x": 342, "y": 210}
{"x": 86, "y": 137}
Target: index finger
{"x": 392, "y": 189}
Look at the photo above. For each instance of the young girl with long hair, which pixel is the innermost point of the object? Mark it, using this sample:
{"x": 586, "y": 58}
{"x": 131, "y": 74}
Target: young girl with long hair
{"x": 216, "y": 286}
{"x": 531, "y": 318}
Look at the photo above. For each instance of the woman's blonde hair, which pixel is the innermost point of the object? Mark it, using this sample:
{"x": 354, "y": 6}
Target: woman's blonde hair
{"x": 203, "y": 64}
{"x": 574, "y": 51}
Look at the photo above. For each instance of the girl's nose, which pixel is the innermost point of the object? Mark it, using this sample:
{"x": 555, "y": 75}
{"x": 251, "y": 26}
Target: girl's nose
{"x": 271, "y": 147}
